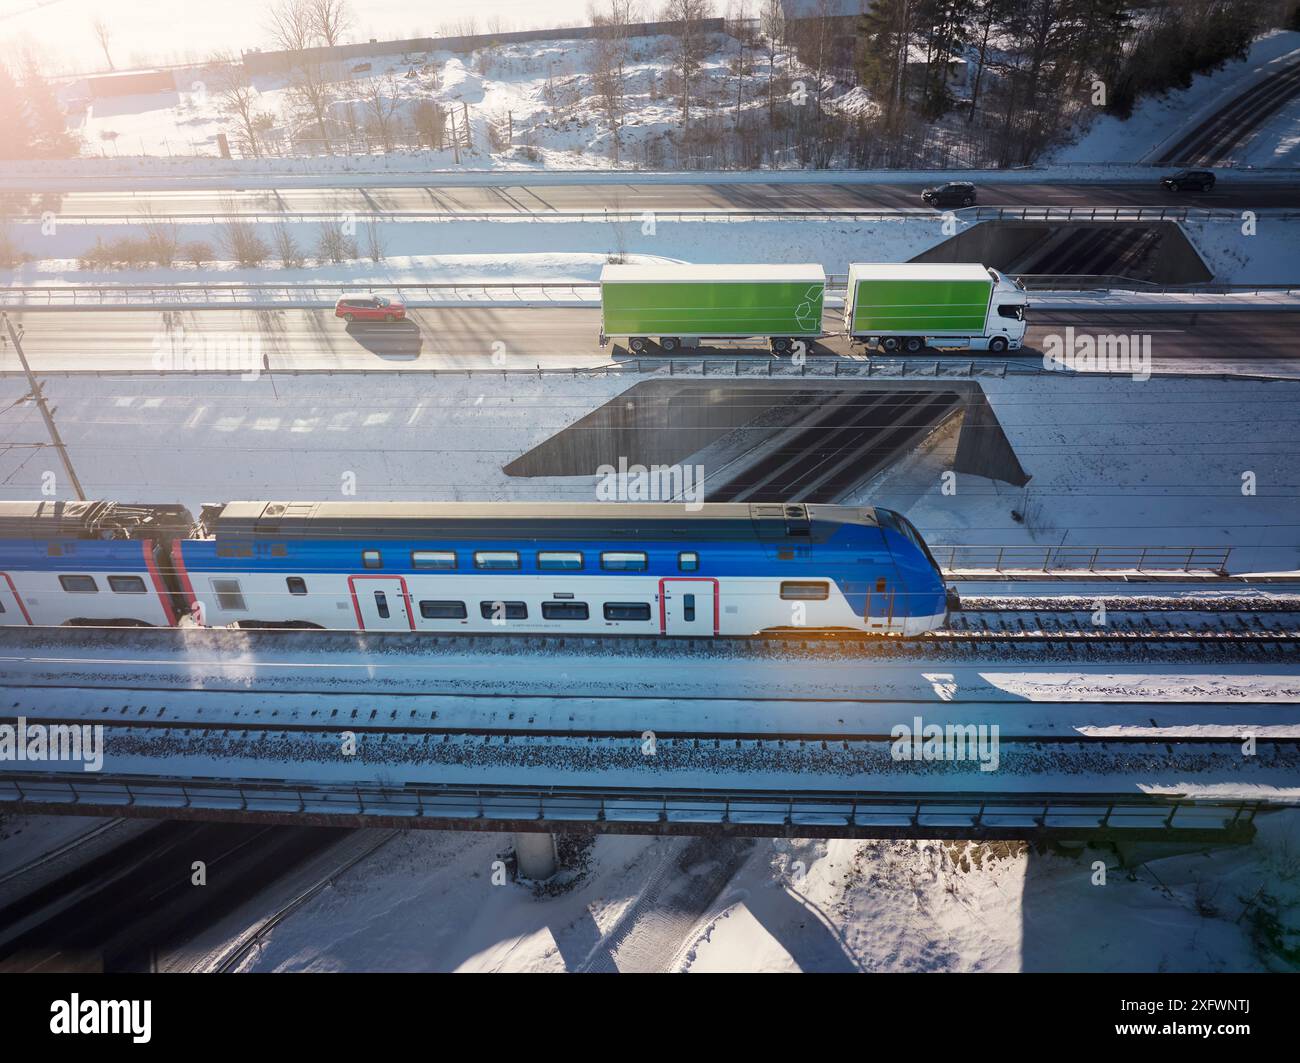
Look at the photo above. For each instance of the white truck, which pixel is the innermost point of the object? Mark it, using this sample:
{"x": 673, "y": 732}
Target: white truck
{"x": 907, "y": 306}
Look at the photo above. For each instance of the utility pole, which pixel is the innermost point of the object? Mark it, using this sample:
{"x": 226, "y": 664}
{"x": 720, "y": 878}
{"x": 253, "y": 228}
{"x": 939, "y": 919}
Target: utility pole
{"x": 39, "y": 396}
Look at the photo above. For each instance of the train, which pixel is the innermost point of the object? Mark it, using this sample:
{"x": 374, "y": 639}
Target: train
{"x": 722, "y": 569}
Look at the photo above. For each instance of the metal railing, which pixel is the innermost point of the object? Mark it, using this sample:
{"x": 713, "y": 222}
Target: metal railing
{"x": 1047, "y": 214}
{"x": 1073, "y": 559}
{"x": 651, "y": 808}
{"x": 323, "y": 296}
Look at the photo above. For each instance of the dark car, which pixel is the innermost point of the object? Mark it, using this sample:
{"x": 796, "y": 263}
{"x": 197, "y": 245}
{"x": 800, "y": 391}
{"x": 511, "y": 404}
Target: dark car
{"x": 952, "y": 194}
{"x": 369, "y": 308}
{"x": 1189, "y": 181}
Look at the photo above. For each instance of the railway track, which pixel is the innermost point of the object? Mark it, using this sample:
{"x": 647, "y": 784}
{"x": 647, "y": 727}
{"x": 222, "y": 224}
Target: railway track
{"x": 1212, "y": 141}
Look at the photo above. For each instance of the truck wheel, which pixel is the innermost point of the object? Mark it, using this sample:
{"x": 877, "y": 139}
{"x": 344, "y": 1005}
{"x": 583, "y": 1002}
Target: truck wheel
{"x": 669, "y": 343}
{"x": 638, "y": 344}
{"x": 913, "y": 344}
{"x": 889, "y": 344}
{"x": 781, "y": 344}
{"x": 998, "y": 344}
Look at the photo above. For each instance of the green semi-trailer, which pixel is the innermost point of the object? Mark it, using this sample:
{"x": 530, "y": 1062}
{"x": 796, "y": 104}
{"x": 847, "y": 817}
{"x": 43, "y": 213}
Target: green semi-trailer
{"x": 909, "y": 305}
{"x": 679, "y": 305}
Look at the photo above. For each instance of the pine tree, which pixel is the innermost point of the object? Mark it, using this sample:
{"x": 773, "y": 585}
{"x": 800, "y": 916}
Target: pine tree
{"x": 50, "y": 138}
{"x": 15, "y": 128}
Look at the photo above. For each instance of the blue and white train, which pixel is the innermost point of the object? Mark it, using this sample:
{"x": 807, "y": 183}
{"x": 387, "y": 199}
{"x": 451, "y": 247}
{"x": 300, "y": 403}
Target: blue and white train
{"x": 723, "y": 569}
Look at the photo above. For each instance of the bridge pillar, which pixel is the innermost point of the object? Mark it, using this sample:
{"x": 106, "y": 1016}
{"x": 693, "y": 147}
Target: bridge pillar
{"x": 535, "y": 855}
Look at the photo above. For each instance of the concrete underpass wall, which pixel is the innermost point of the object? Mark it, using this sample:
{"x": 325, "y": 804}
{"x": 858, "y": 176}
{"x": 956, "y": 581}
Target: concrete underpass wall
{"x": 666, "y": 422}
{"x": 1159, "y": 252}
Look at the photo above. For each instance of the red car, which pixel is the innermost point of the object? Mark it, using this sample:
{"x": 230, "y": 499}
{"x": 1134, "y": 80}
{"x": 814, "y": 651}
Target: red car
{"x": 369, "y": 308}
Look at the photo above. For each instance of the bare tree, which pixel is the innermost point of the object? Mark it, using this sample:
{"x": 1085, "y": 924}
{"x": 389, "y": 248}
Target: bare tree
{"x": 237, "y": 98}
{"x": 103, "y": 34}
{"x": 690, "y": 48}
{"x": 292, "y": 25}
{"x": 330, "y": 19}
{"x": 610, "y": 53}
{"x": 772, "y": 26}
{"x": 381, "y": 98}
{"x": 430, "y": 123}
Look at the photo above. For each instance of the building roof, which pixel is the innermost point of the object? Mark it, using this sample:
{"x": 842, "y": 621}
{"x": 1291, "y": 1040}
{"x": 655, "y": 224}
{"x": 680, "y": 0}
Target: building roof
{"x": 717, "y": 274}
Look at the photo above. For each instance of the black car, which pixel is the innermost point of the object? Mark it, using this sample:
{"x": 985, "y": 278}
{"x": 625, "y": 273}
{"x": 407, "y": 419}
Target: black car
{"x": 1189, "y": 181}
{"x": 952, "y": 194}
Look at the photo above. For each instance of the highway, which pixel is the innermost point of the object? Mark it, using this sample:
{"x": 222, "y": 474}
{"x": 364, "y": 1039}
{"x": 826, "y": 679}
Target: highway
{"x": 528, "y": 200}
{"x": 467, "y": 338}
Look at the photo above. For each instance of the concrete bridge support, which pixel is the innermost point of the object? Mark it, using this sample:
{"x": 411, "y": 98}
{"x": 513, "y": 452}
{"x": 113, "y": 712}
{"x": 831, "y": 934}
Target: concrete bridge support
{"x": 535, "y": 855}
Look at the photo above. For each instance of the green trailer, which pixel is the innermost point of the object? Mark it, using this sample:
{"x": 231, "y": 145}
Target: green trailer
{"x": 907, "y": 305}
{"x": 680, "y": 305}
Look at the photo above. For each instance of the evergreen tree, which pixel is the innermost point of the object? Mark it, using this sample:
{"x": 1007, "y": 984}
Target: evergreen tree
{"x": 50, "y": 138}
{"x": 15, "y": 128}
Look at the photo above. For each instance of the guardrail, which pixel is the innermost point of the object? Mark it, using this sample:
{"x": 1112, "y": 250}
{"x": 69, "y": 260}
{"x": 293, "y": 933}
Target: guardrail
{"x": 759, "y": 813}
{"x": 317, "y": 296}
{"x": 1191, "y": 560}
{"x": 1052, "y": 215}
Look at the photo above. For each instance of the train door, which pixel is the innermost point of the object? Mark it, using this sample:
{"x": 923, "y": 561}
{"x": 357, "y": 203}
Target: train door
{"x": 12, "y": 609}
{"x": 382, "y": 603}
{"x": 883, "y": 599}
{"x": 688, "y": 606}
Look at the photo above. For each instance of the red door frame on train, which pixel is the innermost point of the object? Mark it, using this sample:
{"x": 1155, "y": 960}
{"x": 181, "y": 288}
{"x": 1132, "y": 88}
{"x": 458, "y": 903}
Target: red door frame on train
{"x": 406, "y": 601}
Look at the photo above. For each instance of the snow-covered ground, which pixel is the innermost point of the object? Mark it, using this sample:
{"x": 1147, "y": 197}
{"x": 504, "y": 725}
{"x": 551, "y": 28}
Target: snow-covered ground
{"x": 1114, "y": 461}
{"x": 1158, "y": 122}
{"x": 554, "y": 249}
{"x": 426, "y": 901}
{"x": 1121, "y": 462}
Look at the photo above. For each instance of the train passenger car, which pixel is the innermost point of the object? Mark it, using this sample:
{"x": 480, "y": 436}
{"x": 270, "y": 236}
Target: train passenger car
{"x": 87, "y": 563}
{"x": 726, "y": 569}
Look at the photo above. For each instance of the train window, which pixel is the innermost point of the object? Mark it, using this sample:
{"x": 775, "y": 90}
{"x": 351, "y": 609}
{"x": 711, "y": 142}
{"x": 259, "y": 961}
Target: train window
{"x": 443, "y": 610}
{"x": 688, "y": 608}
{"x": 126, "y": 584}
{"x": 565, "y": 560}
{"x": 229, "y": 596}
{"x": 688, "y": 561}
{"x": 564, "y": 610}
{"x": 503, "y": 610}
{"x": 79, "y": 584}
{"x": 627, "y": 611}
{"x": 623, "y": 562}
{"x": 381, "y": 604}
{"x": 497, "y": 560}
{"x": 372, "y": 559}
{"x": 805, "y": 590}
{"x": 444, "y": 559}
{"x": 296, "y": 584}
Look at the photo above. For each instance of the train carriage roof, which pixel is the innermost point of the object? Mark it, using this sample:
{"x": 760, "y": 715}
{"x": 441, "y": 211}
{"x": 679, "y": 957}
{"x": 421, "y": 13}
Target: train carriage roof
{"x": 528, "y": 520}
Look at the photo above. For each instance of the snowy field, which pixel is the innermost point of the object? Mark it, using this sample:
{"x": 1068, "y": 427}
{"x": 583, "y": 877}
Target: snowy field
{"x": 426, "y": 902}
{"x": 1157, "y": 123}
